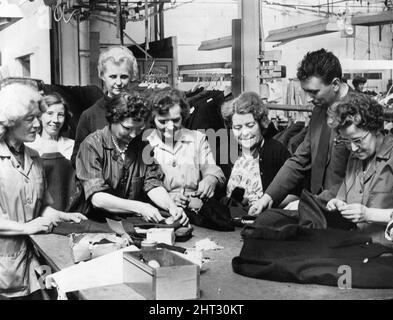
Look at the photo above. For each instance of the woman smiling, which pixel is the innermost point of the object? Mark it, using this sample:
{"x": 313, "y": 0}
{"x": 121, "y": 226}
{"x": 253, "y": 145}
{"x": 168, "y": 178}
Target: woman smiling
{"x": 111, "y": 169}
{"x": 259, "y": 159}
{"x": 55, "y": 121}
{"x": 24, "y": 198}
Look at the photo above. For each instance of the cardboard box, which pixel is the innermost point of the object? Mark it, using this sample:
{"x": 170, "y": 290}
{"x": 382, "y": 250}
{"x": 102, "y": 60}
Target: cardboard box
{"x": 175, "y": 279}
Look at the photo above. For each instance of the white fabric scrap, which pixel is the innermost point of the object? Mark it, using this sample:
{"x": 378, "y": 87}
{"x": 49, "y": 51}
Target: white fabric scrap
{"x": 207, "y": 244}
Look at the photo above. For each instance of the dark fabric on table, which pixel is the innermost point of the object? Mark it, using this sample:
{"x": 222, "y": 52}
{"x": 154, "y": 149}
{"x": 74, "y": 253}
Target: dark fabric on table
{"x": 129, "y": 223}
{"x": 312, "y": 213}
{"x": 294, "y": 253}
{"x": 212, "y": 215}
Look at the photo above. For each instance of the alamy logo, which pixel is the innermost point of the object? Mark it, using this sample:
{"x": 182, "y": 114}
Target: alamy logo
{"x": 345, "y": 280}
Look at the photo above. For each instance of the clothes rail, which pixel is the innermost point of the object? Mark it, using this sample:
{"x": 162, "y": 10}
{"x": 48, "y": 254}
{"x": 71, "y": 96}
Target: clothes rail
{"x": 387, "y": 112}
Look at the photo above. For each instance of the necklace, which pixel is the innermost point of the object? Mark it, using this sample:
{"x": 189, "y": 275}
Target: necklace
{"x": 121, "y": 151}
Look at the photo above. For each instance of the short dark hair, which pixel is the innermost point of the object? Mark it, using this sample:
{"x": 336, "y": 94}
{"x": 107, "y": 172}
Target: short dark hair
{"x": 127, "y": 106}
{"x": 55, "y": 98}
{"x": 161, "y": 101}
{"x": 358, "y": 109}
{"x": 321, "y": 64}
{"x": 247, "y": 102}
{"x": 358, "y": 80}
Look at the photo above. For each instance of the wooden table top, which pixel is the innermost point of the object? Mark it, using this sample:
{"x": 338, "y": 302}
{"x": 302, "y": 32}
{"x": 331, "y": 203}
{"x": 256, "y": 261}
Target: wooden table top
{"x": 217, "y": 281}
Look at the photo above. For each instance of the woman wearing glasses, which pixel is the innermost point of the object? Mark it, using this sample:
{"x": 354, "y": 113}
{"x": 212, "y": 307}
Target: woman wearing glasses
{"x": 112, "y": 171}
{"x": 366, "y": 195}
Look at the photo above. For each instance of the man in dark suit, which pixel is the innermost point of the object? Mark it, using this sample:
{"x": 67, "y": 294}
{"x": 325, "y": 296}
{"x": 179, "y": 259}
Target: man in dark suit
{"x": 318, "y": 158}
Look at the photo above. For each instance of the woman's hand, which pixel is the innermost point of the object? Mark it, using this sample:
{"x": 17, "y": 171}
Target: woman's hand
{"x": 38, "y": 225}
{"x": 180, "y": 200}
{"x": 355, "y": 212}
{"x": 206, "y": 187}
{"x": 335, "y": 204}
{"x": 150, "y": 213}
{"x": 71, "y": 217}
{"x": 56, "y": 216}
{"x": 178, "y": 214}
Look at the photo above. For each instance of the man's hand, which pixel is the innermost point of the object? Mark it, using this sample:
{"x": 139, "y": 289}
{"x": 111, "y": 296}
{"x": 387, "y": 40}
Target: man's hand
{"x": 265, "y": 202}
{"x": 294, "y": 205}
{"x": 335, "y": 204}
{"x": 206, "y": 187}
{"x": 355, "y": 212}
{"x": 150, "y": 213}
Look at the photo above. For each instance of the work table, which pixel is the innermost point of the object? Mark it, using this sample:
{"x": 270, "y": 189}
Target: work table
{"x": 217, "y": 281}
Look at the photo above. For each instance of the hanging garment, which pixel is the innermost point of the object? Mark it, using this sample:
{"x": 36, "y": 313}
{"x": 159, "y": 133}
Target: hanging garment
{"x": 60, "y": 176}
{"x": 296, "y": 140}
{"x": 206, "y": 111}
{"x": 289, "y": 132}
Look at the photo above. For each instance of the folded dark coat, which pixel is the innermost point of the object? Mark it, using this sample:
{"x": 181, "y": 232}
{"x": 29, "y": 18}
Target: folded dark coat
{"x": 293, "y": 253}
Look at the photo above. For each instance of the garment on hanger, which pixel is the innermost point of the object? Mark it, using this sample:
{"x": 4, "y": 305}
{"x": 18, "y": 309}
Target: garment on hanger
{"x": 285, "y": 135}
{"x": 206, "y": 112}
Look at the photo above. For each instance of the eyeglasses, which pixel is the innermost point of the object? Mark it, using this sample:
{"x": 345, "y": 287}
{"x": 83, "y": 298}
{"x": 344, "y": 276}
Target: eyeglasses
{"x": 348, "y": 142}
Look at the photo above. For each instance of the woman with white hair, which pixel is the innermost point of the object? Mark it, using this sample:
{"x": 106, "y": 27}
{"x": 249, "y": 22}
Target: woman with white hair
{"x": 117, "y": 68}
{"x": 24, "y": 200}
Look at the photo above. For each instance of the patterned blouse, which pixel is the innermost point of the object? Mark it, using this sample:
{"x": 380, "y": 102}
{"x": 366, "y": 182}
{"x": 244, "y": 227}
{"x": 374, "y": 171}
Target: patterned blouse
{"x": 246, "y": 175}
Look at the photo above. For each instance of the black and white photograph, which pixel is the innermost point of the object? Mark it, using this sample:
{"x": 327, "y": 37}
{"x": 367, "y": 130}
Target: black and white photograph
{"x": 192, "y": 156}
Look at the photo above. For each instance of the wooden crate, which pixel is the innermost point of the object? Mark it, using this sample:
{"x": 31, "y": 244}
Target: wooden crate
{"x": 176, "y": 278}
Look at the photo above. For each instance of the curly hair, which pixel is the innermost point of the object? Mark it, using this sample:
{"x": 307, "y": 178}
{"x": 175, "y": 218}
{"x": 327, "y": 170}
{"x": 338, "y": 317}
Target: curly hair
{"x": 118, "y": 55}
{"x": 322, "y": 64}
{"x": 16, "y": 101}
{"x": 55, "y": 98}
{"x": 127, "y": 106}
{"x": 358, "y": 109}
{"x": 247, "y": 102}
{"x": 358, "y": 80}
{"x": 161, "y": 101}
